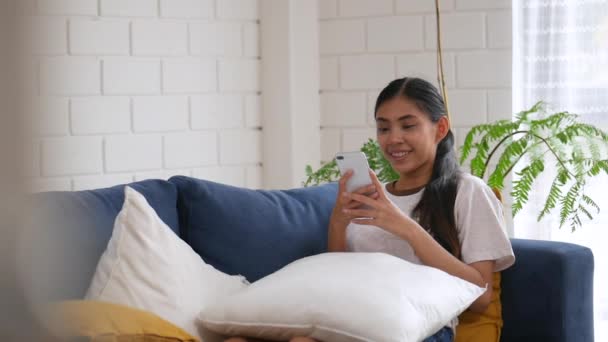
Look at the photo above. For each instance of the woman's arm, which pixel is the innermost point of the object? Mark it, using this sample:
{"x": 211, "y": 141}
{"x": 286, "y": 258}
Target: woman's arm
{"x": 433, "y": 254}
{"x": 336, "y": 240}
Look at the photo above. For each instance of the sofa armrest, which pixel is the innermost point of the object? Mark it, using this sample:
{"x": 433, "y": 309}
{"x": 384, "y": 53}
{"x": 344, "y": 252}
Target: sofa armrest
{"x": 548, "y": 294}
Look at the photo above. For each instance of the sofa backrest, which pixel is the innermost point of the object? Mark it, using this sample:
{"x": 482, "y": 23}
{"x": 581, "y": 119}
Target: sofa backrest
{"x": 69, "y": 231}
{"x": 253, "y": 232}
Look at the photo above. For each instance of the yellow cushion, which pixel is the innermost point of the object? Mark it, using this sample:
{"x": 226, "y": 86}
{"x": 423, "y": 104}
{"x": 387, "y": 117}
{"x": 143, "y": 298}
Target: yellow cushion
{"x": 484, "y": 327}
{"x": 107, "y": 322}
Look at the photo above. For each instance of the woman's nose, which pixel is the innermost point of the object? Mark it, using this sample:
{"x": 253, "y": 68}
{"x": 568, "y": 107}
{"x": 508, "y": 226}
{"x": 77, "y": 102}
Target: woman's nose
{"x": 395, "y": 136}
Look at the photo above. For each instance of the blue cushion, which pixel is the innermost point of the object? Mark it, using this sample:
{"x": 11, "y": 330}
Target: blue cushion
{"x": 253, "y": 232}
{"x": 70, "y": 231}
{"x": 548, "y": 294}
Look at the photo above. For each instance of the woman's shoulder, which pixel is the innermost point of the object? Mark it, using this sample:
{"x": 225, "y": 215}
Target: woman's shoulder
{"x": 471, "y": 183}
{"x": 473, "y": 187}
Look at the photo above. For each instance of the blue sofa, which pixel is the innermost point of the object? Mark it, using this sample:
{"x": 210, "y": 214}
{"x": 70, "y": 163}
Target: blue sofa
{"x": 546, "y": 296}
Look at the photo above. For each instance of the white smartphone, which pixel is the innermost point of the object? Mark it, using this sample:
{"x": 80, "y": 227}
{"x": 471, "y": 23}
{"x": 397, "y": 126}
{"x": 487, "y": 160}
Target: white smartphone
{"x": 357, "y": 162}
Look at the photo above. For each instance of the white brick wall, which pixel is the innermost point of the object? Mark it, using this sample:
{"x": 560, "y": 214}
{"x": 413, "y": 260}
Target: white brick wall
{"x": 158, "y": 38}
{"x": 160, "y": 113}
{"x": 99, "y": 37}
{"x": 128, "y": 8}
{"x": 150, "y": 88}
{"x": 189, "y": 75}
{"x": 366, "y": 71}
{"x": 123, "y": 153}
{"x": 199, "y": 9}
{"x": 342, "y": 36}
{"x": 68, "y": 7}
{"x": 238, "y": 146}
{"x": 71, "y": 156}
{"x": 239, "y": 75}
{"x": 134, "y": 89}
{"x": 50, "y": 116}
{"x": 344, "y": 109}
{"x": 100, "y": 115}
{"x": 216, "y": 39}
{"x": 364, "y": 8}
{"x": 382, "y": 34}
{"x": 238, "y": 9}
{"x": 70, "y": 76}
{"x": 215, "y": 111}
{"x": 202, "y": 150}
{"x": 398, "y": 41}
{"x": 131, "y": 76}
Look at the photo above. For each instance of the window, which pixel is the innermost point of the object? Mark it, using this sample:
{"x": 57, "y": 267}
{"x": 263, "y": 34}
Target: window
{"x": 560, "y": 56}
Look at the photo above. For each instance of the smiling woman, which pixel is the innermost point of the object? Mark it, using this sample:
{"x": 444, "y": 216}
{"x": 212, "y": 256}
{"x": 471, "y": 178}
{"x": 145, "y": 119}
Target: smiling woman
{"x": 433, "y": 214}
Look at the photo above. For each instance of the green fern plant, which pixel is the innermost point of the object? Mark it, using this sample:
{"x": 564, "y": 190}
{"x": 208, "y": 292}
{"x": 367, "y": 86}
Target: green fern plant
{"x": 578, "y": 151}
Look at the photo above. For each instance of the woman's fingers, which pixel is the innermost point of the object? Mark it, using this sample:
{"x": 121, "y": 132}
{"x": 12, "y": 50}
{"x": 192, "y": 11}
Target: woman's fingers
{"x": 366, "y": 221}
{"x": 352, "y": 205}
{"x": 355, "y": 204}
{"x": 377, "y": 184}
{"x": 366, "y": 189}
{"x": 362, "y": 199}
{"x": 343, "y": 180}
{"x": 359, "y": 213}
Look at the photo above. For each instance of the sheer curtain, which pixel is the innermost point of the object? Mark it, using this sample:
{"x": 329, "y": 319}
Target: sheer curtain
{"x": 560, "y": 56}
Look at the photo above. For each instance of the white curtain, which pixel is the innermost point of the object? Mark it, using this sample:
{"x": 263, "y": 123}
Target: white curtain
{"x": 560, "y": 56}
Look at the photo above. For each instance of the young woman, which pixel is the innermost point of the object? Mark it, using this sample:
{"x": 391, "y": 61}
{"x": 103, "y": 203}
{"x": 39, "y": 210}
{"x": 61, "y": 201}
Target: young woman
{"x": 434, "y": 214}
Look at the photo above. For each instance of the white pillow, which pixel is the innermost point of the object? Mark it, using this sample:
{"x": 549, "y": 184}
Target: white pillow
{"x": 344, "y": 297}
{"x": 147, "y": 266}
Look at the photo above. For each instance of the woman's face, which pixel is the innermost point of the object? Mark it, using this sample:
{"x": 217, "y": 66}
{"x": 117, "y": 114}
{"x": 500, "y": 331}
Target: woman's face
{"x": 407, "y": 136}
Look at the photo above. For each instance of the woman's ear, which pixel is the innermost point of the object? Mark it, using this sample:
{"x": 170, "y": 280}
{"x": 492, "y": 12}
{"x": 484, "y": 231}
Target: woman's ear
{"x": 443, "y": 127}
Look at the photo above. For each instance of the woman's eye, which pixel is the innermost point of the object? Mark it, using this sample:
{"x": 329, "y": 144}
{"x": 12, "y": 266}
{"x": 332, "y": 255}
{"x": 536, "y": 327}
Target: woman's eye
{"x": 382, "y": 130}
{"x": 408, "y": 126}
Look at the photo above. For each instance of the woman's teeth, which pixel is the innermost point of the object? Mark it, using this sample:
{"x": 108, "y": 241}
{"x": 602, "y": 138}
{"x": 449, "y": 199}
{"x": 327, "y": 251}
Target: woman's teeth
{"x": 399, "y": 154}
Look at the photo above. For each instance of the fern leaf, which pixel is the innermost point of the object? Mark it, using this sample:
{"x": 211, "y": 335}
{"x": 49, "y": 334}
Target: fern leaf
{"x": 553, "y": 121}
{"x": 553, "y": 197}
{"x": 511, "y": 154}
{"x": 308, "y": 170}
{"x": 465, "y": 149}
{"x": 590, "y": 202}
{"x": 522, "y": 186}
{"x": 567, "y": 203}
{"x": 523, "y": 115}
{"x": 585, "y": 211}
{"x": 594, "y": 149}
{"x": 575, "y": 221}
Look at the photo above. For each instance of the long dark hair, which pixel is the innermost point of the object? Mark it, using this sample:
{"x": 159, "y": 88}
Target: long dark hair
{"x": 435, "y": 211}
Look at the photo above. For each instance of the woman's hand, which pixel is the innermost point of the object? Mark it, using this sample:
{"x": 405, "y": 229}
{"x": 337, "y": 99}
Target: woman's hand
{"x": 380, "y": 211}
{"x": 343, "y": 202}
{"x": 339, "y": 220}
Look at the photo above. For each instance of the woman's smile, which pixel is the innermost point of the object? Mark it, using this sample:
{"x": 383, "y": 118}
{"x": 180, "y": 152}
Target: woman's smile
{"x": 399, "y": 155}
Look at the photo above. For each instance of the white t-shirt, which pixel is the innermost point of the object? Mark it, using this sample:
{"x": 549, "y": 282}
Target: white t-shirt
{"x": 479, "y": 221}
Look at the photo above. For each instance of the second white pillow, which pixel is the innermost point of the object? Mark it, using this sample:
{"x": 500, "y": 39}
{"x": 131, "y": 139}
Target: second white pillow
{"x": 147, "y": 266}
{"x": 344, "y": 297}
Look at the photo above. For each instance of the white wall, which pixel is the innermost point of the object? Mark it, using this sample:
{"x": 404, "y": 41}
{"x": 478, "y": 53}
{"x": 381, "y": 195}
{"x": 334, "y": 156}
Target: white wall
{"x": 367, "y": 43}
{"x": 135, "y": 89}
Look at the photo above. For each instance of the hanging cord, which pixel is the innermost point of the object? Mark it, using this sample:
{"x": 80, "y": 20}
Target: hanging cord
{"x": 440, "y": 74}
